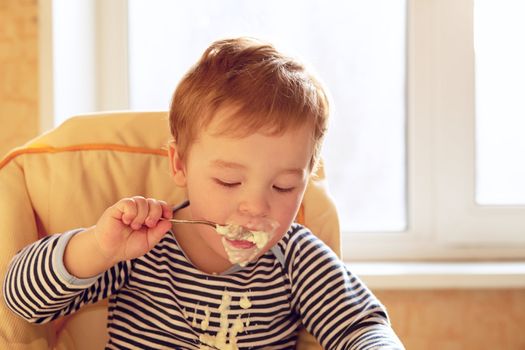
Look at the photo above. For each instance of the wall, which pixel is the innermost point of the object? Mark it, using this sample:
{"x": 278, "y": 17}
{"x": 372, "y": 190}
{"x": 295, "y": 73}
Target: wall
{"x": 18, "y": 72}
{"x": 444, "y": 320}
{"x": 458, "y": 319}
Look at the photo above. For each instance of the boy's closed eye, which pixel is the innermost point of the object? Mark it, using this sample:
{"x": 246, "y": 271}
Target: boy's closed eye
{"x": 283, "y": 189}
{"x": 226, "y": 183}
{"x": 231, "y": 184}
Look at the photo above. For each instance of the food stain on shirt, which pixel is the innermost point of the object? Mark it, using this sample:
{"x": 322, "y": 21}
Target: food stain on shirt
{"x": 206, "y": 322}
{"x": 226, "y": 337}
{"x": 245, "y": 302}
{"x": 194, "y": 321}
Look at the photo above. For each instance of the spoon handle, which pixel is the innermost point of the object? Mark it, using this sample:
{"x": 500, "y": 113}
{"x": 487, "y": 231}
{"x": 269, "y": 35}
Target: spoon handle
{"x": 202, "y": 222}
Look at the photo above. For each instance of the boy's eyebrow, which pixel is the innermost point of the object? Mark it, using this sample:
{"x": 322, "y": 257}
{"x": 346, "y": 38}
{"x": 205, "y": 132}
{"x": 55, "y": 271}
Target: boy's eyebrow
{"x": 232, "y": 165}
{"x": 224, "y": 164}
{"x": 294, "y": 171}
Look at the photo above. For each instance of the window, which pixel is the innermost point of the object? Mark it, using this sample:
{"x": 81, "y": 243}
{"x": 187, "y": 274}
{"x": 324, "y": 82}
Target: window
{"x": 357, "y": 48}
{"x": 414, "y": 108}
{"x": 500, "y": 107}
{"x": 449, "y": 61}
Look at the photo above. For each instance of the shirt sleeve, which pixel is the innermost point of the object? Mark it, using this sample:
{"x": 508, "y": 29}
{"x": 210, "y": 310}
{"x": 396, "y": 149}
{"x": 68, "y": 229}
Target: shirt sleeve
{"x": 38, "y": 287}
{"x": 333, "y": 304}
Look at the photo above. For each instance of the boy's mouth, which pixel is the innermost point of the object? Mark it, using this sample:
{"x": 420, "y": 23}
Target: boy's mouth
{"x": 240, "y": 243}
{"x": 243, "y": 242}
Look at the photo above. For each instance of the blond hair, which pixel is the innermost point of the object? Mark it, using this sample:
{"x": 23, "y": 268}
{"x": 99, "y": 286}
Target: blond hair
{"x": 271, "y": 93}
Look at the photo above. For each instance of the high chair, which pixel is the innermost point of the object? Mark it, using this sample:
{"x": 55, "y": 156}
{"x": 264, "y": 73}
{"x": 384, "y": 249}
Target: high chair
{"x": 67, "y": 177}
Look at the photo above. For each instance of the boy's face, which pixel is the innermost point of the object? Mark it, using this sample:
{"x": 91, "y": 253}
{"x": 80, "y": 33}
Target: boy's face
{"x": 247, "y": 181}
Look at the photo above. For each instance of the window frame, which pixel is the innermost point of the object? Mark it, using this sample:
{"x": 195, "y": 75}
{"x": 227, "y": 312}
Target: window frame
{"x": 444, "y": 222}
{"x": 102, "y": 81}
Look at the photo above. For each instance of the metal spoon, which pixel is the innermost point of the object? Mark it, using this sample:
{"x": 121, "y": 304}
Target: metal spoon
{"x": 230, "y": 231}
{"x": 202, "y": 222}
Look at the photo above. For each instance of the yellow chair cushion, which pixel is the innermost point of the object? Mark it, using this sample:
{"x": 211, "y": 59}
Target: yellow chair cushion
{"x": 67, "y": 177}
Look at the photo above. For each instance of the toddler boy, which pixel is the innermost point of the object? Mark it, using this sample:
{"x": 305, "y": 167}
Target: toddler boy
{"x": 247, "y": 125}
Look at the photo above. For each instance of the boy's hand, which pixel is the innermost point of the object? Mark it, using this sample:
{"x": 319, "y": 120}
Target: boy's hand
{"x": 131, "y": 228}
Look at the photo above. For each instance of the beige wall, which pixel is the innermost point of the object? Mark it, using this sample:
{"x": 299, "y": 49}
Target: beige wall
{"x": 18, "y": 72}
{"x": 458, "y": 319}
{"x": 444, "y": 320}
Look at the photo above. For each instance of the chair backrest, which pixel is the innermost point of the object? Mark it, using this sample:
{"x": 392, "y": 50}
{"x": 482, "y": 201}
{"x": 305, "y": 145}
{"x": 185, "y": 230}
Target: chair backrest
{"x": 67, "y": 177}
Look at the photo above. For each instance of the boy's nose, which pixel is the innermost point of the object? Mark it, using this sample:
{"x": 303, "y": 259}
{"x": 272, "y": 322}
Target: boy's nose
{"x": 254, "y": 205}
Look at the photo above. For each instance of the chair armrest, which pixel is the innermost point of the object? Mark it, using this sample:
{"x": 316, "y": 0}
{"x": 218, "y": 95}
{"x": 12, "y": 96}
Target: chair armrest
{"x": 17, "y": 229}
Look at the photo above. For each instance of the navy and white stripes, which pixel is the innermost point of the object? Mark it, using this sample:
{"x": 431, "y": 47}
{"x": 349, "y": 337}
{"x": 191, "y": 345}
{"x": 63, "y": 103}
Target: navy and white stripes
{"x": 160, "y": 300}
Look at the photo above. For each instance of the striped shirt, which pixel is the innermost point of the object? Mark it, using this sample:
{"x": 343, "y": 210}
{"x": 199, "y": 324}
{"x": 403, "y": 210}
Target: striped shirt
{"x": 161, "y": 300}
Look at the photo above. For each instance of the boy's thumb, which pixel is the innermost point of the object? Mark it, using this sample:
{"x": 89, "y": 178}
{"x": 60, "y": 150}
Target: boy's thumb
{"x": 156, "y": 233}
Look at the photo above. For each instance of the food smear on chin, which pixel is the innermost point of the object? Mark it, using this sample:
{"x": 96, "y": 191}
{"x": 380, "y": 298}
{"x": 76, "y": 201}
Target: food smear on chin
{"x": 243, "y": 244}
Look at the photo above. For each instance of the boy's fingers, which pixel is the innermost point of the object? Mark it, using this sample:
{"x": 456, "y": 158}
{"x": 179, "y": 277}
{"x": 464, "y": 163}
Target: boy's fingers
{"x": 127, "y": 209}
{"x": 138, "y": 211}
{"x": 155, "y": 212}
{"x": 167, "y": 211}
{"x": 142, "y": 211}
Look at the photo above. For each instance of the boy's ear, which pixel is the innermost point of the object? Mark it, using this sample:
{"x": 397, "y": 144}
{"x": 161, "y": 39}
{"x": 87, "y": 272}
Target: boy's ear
{"x": 177, "y": 168}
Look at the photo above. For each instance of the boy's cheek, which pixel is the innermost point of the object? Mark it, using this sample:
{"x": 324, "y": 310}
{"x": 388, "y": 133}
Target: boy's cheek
{"x": 207, "y": 203}
{"x": 276, "y": 239}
